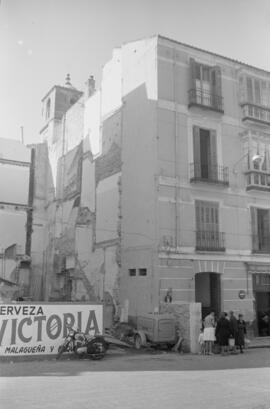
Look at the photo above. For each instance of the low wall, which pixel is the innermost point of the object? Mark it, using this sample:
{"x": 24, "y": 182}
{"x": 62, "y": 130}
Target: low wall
{"x": 188, "y": 318}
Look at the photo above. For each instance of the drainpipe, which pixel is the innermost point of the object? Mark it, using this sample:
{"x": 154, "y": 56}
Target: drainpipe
{"x": 29, "y": 222}
{"x": 175, "y": 151}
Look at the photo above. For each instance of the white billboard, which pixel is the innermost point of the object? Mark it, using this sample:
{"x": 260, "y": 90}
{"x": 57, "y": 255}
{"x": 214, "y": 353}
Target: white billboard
{"x": 39, "y": 328}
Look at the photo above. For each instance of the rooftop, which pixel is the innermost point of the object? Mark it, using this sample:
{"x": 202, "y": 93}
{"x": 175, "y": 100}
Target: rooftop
{"x": 214, "y": 54}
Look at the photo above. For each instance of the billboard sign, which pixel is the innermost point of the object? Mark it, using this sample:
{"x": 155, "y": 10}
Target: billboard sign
{"x": 39, "y": 328}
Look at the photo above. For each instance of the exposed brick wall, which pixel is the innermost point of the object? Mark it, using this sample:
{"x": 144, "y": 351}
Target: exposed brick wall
{"x": 109, "y": 164}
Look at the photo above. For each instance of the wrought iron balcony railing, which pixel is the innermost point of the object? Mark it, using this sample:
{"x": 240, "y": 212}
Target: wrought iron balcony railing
{"x": 255, "y": 113}
{"x": 257, "y": 180}
{"x": 261, "y": 243}
{"x": 209, "y": 173}
{"x": 205, "y": 99}
{"x": 210, "y": 240}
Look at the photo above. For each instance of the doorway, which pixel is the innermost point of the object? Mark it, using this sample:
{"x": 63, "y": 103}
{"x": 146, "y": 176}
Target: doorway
{"x": 261, "y": 288}
{"x": 208, "y": 293}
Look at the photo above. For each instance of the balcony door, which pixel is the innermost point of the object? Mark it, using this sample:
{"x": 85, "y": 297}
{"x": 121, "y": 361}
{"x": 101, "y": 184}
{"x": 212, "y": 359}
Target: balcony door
{"x": 208, "y": 237}
{"x": 260, "y": 229}
{"x": 261, "y": 288}
{"x": 206, "y": 85}
{"x": 203, "y": 85}
{"x": 205, "y": 154}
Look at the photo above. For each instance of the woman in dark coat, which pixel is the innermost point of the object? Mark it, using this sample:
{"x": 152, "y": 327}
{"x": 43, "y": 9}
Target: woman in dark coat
{"x": 240, "y": 340}
{"x": 223, "y": 332}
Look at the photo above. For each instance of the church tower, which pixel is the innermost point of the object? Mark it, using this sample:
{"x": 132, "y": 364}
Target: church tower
{"x": 55, "y": 104}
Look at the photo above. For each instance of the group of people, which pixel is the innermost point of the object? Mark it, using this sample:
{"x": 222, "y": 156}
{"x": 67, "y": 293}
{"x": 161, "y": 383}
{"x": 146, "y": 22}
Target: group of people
{"x": 221, "y": 331}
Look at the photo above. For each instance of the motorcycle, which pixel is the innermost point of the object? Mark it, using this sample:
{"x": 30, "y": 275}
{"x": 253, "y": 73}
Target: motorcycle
{"x": 83, "y": 345}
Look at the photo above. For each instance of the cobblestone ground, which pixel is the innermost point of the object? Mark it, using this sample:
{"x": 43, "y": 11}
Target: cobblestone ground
{"x": 132, "y": 381}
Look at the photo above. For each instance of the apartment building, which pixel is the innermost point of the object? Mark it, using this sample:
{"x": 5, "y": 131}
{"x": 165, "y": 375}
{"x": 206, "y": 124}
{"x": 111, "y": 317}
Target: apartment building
{"x": 175, "y": 181}
{"x": 195, "y": 163}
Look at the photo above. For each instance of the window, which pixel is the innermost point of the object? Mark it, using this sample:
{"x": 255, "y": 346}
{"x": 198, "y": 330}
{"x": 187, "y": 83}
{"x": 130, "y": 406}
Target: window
{"x": 142, "y": 271}
{"x": 132, "y": 272}
{"x": 205, "y": 86}
{"x": 205, "y": 153}
{"x": 257, "y": 170}
{"x": 260, "y": 221}
{"x": 255, "y": 91}
{"x": 207, "y": 218}
{"x": 208, "y": 236}
{"x": 255, "y": 146}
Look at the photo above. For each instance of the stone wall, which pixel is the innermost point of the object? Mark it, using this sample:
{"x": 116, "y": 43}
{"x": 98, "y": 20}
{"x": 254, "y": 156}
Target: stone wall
{"x": 188, "y": 322}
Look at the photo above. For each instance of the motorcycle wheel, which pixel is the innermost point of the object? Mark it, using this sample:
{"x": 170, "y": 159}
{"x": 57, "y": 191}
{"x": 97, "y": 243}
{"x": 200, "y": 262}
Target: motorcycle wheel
{"x": 61, "y": 349}
{"x": 97, "y": 348}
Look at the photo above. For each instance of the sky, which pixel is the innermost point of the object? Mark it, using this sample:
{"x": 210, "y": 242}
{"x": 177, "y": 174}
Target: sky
{"x": 43, "y": 40}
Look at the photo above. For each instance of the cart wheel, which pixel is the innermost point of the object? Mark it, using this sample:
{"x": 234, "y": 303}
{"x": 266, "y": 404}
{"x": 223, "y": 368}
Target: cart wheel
{"x": 138, "y": 341}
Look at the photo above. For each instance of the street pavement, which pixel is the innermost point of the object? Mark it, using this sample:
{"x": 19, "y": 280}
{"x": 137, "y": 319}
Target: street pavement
{"x": 132, "y": 380}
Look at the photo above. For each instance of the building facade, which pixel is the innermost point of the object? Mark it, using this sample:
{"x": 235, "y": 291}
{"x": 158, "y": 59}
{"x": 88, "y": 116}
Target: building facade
{"x": 73, "y": 242}
{"x": 173, "y": 183}
{"x": 15, "y": 218}
{"x": 196, "y": 141}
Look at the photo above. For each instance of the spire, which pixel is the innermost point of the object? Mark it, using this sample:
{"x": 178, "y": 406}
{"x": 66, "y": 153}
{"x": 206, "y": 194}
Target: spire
{"x": 68, "y": 83}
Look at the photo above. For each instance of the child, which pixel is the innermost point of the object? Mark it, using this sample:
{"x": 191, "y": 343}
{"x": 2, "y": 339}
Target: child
{"x": 201, "y": 343}
{"x": 178, "y": 347}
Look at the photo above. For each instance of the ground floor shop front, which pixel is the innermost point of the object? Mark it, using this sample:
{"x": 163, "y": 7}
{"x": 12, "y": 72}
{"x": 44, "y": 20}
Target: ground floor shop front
{"x": 220, "y": 285}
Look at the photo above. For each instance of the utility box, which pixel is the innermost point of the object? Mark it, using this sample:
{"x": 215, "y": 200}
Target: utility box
{"x": 155, "y": 329}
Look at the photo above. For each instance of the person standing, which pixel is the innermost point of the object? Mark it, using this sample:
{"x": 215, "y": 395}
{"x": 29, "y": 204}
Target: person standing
{"x": 241, "y": 325}
{"x": 223, "y": 332}
{"x": 234, "y": 329}
{"x": 209, "y": 333}
{"x": 168, "y": 296}
{"x": 201, "y": 343}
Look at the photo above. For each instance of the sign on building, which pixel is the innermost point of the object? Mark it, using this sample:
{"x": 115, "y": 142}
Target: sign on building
{"x": 39, "y": 329}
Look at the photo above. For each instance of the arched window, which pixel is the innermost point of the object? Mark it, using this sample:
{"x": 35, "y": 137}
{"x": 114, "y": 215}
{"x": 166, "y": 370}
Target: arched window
{"x": 48, "y": 109}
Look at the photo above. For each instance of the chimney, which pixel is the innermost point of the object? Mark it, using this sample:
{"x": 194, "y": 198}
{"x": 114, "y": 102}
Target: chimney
{"x": 90, "y": 87}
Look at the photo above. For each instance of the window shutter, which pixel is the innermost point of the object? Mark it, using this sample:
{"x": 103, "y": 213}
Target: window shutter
{"x": 242, "y": 89}
{"x": 196, "y": 151}
{"x": 257, "y": 89}
{"x": 198, "y": 215}
{"x": 254, "y": 227}
{"x": 249, "y": 90}
{"x": 216, "y": 81}
{"x": 268, "y": 227}
{"x": 213, "y": 155}
{"x": 264, "y": 93}
{"x": 207, "y": 216}
{"x": 192, "y": 73}
{"x": 268, "y": 94}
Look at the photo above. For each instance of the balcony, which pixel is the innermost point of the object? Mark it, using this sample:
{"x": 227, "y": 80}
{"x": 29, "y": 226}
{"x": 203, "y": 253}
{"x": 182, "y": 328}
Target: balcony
{"x": 261, "y": 243}
{"x": 209, "y": 173}
{"x": 258, "y": 180}
{"x": 255, "y": 113}
{"x": 205, "y": 99}
{"x": 210, "y": 241}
